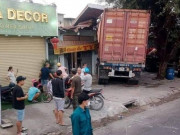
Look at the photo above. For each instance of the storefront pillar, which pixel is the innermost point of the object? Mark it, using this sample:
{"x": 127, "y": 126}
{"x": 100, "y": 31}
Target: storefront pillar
{"x": 61, "y": 59}
{"x": 47, "y": 49}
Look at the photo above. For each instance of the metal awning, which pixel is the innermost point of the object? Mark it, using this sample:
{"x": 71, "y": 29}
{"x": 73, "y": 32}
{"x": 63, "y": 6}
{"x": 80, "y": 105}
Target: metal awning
{"x": 91, "y": 11}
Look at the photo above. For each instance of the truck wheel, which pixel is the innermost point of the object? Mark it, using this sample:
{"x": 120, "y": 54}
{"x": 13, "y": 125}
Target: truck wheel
{"x": 106, "y": 81}
{"x": 103, "y": 81}
{"x": 178, "y": 74}
{"x": 100, "y": 81}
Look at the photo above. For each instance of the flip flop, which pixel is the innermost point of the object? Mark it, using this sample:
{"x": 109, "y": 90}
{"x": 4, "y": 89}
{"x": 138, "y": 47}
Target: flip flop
{"x": 24, "y": 128}
{"x": 63, "y": 124}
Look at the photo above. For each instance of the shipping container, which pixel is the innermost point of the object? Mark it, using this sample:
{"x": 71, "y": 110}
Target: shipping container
{"x": 123, "y": 38}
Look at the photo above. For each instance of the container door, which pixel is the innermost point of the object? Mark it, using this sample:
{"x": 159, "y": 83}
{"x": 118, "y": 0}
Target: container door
{"x": 112, "y": 48}
{"x": 136, "y": 37}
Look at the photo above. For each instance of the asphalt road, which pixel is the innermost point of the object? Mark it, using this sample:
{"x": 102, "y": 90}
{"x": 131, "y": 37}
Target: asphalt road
{"x": 159, "y": 120}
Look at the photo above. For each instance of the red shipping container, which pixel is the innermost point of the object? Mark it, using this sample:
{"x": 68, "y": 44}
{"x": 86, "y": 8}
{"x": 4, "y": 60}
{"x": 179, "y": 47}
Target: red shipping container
{"x": 123, "y": 36}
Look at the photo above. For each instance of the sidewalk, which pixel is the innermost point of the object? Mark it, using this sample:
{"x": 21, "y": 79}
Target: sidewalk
{"x": 39, "y": 118}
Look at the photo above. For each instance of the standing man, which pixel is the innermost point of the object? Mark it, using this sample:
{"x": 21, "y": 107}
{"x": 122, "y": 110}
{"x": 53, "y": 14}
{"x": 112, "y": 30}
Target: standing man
{"x": 81, "y": 119}
{"x": 18, "y": 103}
{"x": 44, "y": 75}
{"x": 76, "y": 88}
{"x": 83, "y": 68}
{"x": 64, "y": 74}
{"x": 87, "y": 79}
{"x": 58, "y": 96}
{"x": 63, "y": 69}
{"x": 79, "y": 73}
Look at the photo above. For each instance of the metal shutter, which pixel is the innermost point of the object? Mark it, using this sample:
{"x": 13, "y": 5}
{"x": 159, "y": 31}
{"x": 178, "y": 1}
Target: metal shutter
{"x": 24, "y": 53}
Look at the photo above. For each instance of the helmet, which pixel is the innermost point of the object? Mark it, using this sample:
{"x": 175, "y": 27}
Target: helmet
{"x": 86, "y": 70}
{"x": 58, "y": 64}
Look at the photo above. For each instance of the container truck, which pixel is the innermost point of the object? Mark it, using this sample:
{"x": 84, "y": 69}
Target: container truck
{"x": 123, "y": 38}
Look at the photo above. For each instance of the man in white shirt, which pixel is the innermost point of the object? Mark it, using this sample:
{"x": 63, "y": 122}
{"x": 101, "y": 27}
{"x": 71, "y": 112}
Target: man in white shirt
{"x": 87, "y": 79}
{"x": 83, "y": 68}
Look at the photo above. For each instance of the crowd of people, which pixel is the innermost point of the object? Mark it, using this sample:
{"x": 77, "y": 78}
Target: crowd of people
{"x": 80, "y": 85}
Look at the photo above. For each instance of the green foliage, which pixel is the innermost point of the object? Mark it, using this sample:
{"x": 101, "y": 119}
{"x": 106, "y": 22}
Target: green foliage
{"x": 6, "y": 106}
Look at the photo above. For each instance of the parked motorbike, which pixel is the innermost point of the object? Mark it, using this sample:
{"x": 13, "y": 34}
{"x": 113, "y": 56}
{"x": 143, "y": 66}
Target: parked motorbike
{"x": 6, "y": 93}
{"x": 96, "y": 99}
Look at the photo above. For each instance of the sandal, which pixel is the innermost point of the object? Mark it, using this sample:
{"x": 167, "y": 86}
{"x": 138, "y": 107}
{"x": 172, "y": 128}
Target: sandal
{"x": 63, "y": 124}
{"x": 24, "y": 129}
{"x": 22, "y": 133}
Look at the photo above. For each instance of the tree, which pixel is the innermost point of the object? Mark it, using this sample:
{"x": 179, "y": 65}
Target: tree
{"x": 165, "y": 26}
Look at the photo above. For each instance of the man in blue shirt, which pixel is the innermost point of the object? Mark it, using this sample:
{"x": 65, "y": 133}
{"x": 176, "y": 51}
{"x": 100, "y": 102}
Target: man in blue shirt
{"x": 44, "y": 75}
{"x": 81, "y": 119}
{"x": 33, "y": 93}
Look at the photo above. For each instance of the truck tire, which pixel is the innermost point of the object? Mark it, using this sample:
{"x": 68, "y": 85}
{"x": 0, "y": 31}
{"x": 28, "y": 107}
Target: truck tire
{"x": 178, "y": 74}
{"x": 103, "y": 81}
{"x": 106, "y": 81}
{"x": 99, "y": 81}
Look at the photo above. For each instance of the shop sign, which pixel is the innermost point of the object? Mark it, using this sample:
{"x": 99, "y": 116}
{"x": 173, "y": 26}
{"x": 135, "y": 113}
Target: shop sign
{"x": 27, "y": 19}
{"x": 74, "y": 48}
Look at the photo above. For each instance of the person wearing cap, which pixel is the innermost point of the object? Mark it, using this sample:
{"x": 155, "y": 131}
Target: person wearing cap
{"x": 81, "y": 118}
{"x": 58, "y": 96}
{"x": 63, "y": 69}
{"x": 18, "y": 103}
{"x": 83, "y": 68}
{"x": 87, "y": 79}
{"x": 44, "y": 74}
{"x": 75, "y": 88}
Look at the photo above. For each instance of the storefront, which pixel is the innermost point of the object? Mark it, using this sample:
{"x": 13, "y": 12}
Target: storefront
{"x": 75, "y": 50}
{"x": 78, "y": 41}
{"x": 24, "y": 28}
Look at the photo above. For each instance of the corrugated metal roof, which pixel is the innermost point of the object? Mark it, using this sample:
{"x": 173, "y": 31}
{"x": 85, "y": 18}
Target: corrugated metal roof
{"x": 91, "y": 11}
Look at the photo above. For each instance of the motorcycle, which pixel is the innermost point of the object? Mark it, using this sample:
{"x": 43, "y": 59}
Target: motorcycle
{"x": 96, "y": 99}
{"x": 6, "y": 93}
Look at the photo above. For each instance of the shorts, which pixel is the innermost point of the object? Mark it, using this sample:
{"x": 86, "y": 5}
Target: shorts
{"x": 20, "y": 115}
{"x": 59, "y": 103}
{"x": 44, "y": 82}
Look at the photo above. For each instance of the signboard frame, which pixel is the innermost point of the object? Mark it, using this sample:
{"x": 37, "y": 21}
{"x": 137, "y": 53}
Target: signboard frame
{"x": 27, "y": 19}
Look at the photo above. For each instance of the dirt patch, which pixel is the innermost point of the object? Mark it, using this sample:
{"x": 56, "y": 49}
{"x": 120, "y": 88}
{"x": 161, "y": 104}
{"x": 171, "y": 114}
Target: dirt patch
{"x": 152, "y": 85}
{"x": 171, "y": 97}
